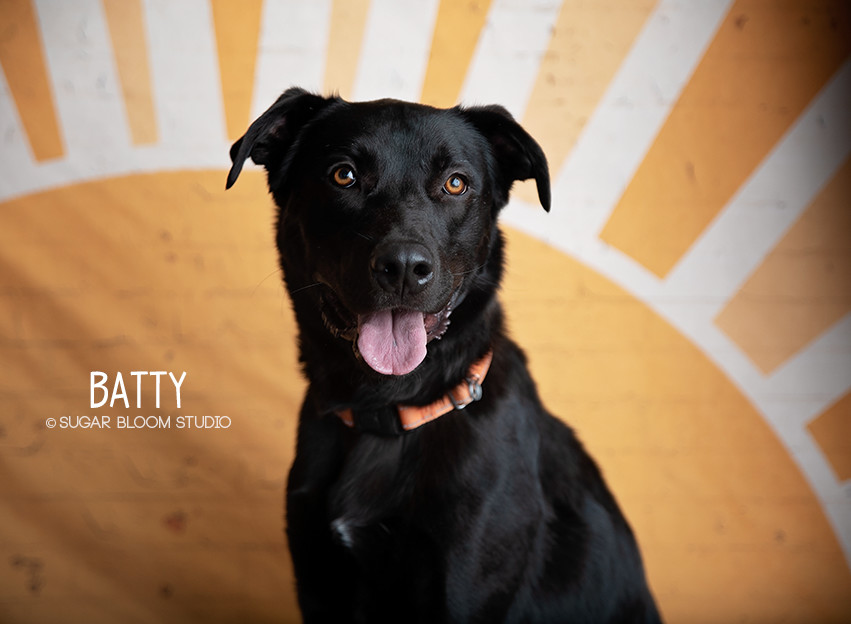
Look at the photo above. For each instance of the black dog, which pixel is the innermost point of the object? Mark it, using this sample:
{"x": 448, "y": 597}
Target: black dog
{"x": 389, "y": 244}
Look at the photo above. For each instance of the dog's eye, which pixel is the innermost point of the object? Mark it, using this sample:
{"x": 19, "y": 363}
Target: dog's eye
{"x": 343, "y": 176}
{"x": 455, "y": 185}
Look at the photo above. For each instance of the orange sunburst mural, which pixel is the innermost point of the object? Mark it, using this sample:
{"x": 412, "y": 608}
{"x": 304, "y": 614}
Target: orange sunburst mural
{"x": 685, "y": 305}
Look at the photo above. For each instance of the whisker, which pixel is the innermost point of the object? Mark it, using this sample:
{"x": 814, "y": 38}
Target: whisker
{"x": 298, "y": 290}
{"x": 473, "y": 270}
{"x": 260, "y": 283}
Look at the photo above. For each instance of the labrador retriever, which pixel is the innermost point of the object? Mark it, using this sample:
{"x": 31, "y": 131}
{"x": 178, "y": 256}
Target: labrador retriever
{"x": 429, "y": 483}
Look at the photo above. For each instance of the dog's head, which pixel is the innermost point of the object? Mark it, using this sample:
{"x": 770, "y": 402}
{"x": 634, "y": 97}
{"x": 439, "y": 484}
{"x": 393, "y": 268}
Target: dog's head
{"x": 387, "y": 211}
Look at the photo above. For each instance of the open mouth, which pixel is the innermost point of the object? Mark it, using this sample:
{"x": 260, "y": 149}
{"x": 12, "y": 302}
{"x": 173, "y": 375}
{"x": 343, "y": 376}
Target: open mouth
{"x": 391, "y": 341}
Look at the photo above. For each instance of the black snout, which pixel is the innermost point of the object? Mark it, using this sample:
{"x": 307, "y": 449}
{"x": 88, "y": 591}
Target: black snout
{"x": 402, "y": 267}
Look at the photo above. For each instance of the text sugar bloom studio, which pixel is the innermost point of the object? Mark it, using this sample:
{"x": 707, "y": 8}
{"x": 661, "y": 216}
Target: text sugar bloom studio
{"x": 100, "y": 394}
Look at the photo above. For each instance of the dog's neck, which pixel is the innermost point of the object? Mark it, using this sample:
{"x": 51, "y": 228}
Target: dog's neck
{"x": 409, "y": 417}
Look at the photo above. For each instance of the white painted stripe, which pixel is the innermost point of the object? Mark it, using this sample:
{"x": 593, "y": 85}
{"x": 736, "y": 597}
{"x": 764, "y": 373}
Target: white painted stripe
{"x": 185, "y": 75}
{"x": 507, "y": 58}
{"x": 84, "y": 80}
{"x": 630, "y": 115}
{"x": 16, "y": 157}
{"x": 772, "y": 200}
{"x": 815, "y": 377}
{"x": 140, "y": 159}
{"x": 293, "y": 45}
{"x": 798, "y": 392}
{"x": 395, "y": 51}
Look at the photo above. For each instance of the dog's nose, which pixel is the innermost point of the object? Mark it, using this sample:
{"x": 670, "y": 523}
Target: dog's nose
{"x": 403, "y": 268}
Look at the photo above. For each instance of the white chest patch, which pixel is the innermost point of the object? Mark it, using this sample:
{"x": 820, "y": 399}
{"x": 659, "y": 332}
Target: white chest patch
{"x": 342, "y": 532}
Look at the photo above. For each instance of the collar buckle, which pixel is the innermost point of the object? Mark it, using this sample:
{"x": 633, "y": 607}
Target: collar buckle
{"x": 474, "y": 393}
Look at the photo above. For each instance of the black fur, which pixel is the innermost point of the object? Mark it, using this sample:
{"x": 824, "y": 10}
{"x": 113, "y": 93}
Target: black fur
{"x": 490, "y": 514}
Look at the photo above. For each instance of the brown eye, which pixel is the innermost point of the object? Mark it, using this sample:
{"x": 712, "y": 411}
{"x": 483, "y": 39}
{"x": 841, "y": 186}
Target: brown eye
{"x": 344, "y": 176}
{"x": 455, "y": 185}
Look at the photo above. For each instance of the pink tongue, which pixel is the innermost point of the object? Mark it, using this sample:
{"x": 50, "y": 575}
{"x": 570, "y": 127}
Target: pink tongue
{"x": 393, "y": 342}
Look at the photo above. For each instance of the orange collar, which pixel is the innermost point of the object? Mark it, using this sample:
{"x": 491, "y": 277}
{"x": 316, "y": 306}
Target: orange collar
{"x": 466, "y": 392}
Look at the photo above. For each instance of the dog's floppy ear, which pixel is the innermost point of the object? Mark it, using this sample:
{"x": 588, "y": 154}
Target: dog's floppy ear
{"x": 268, "y": 138}
{"x": 518, "y": 155}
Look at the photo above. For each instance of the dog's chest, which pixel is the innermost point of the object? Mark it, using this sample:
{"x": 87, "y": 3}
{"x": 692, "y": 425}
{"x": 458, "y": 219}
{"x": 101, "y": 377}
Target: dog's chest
{"x": 377, "y": 503}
